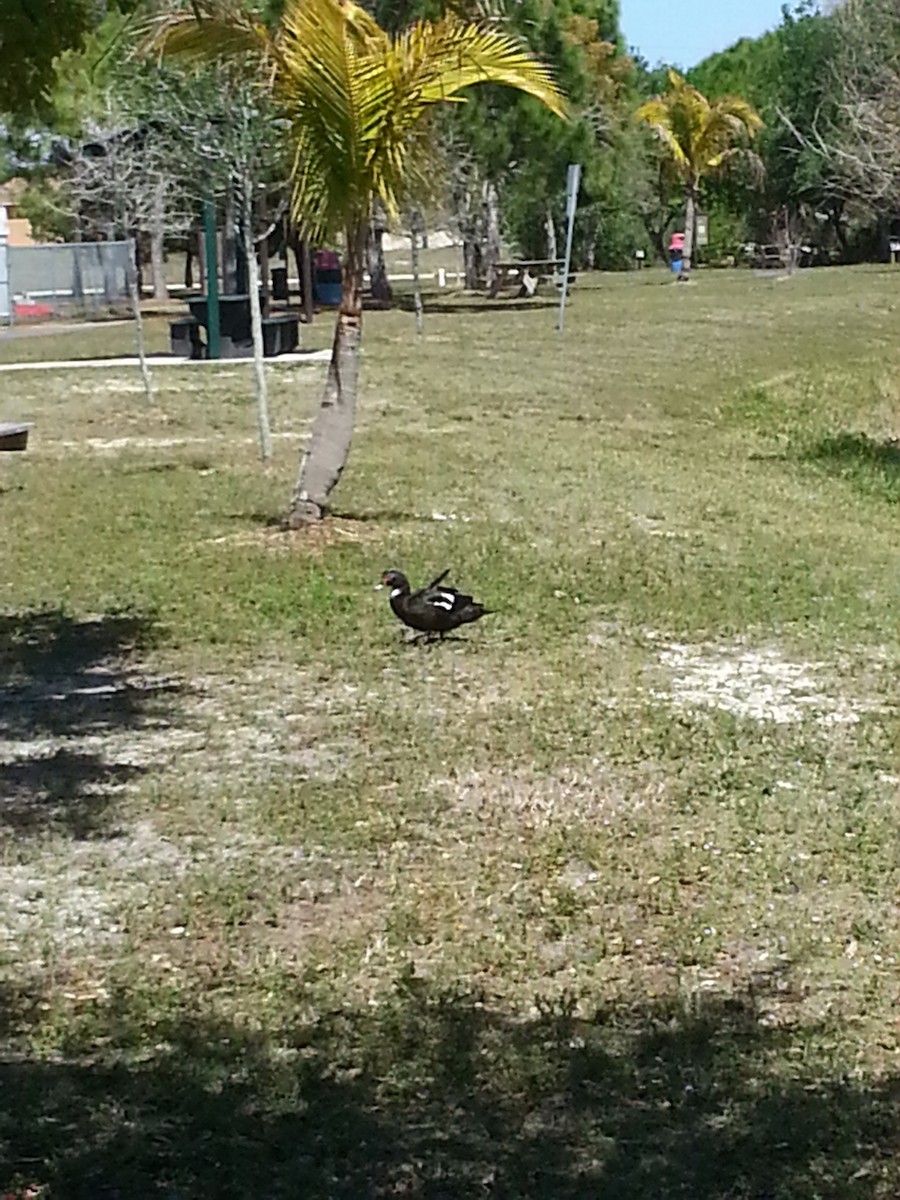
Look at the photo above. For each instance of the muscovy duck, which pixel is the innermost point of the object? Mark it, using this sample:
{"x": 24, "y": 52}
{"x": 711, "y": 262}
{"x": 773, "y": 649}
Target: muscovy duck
{"x": 432, "y": 610}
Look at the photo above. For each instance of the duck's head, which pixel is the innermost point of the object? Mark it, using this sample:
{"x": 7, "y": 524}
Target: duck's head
{"x": 396, "y": 581}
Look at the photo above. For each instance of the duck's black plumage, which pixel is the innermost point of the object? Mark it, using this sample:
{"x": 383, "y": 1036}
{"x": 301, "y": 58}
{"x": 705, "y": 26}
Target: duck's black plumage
{"x": 433, "y": 609}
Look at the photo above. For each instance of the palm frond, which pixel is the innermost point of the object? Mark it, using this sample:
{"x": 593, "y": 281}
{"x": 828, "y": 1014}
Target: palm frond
{"x": 698, "y": 134}
{"x": 328, "y": 84}
{"x": 206, "y": 30}
{"x": 439, "y": 59}
{"x": 359, "y": 97}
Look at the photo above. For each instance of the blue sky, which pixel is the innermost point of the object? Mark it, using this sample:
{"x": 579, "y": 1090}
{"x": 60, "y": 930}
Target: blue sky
{"x": 685, "y": 31}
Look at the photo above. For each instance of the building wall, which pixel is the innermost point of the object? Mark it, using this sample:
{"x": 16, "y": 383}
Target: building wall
{"x": 20, "y": 232}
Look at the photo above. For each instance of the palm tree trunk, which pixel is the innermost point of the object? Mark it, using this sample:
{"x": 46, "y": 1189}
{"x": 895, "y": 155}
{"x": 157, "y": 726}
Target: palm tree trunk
{"x": 306, "y": 282}
{"x": 414, "y": 224}
{"x": 492, "y": 225}
{"x": 378, "y": 277}
{"x": 690, "y": 218}
{"x": 326, "y": 455}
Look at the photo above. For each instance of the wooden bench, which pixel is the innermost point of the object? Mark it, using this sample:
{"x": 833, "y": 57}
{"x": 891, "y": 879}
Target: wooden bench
{"x": 186, "y": 339}
{"x": 14, "y": 436}
{"x": 527, "y": 274}
{"x": 281, "y": 334}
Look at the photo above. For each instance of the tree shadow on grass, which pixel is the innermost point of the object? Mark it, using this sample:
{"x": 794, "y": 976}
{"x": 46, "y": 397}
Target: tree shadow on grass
{"x": 66, "y": 689}
{"x": 274, "y": 520}
{"x": 437, "y": 1095}
{"x": 64, "y": 787}
{"x": 435, "y": 305}
{"x": 379, "y": 516}
{"x": 871, "y": 464}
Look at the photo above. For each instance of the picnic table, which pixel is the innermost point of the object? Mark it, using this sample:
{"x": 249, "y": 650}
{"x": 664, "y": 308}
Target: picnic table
{"x": 280, "y": 331}
{"x": 769, "y": 258}
{"x": 14, "y": 435}
{"x": 528, "y": 273}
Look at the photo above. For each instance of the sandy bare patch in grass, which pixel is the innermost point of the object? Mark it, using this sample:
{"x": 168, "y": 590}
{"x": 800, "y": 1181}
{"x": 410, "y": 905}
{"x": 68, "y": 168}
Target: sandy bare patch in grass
{"x": 85, "y": 740}
{"x": 253, "y": 721}
{"x": 81, "y": 898}
{"x": 656, "y": 527}
{"x": 115, "y": 385}
{"x": 70, "y": 898}
{"x": 112, "y": 385}
{"x": 315, "y": 538}
{"x": 759, "y": 684}
{"x": 114, "y": 445}
{"x": 529, "y": 799}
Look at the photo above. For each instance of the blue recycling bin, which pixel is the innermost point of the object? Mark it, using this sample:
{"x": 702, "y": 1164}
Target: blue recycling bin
{"x": 327, "y": 287}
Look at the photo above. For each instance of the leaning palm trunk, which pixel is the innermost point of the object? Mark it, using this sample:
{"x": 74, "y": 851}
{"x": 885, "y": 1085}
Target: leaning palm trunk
{"x": 325, "y": 457}
{"x": 259, "y": 368}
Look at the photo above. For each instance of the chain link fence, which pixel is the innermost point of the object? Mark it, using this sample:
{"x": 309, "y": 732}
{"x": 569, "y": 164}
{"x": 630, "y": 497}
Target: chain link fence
{"x": 70, "y": 280}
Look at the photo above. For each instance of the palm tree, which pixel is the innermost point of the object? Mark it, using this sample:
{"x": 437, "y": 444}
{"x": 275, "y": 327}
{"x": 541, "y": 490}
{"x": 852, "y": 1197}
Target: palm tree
{"x": 700, "y": 138}
{"x": 359, "y": 101}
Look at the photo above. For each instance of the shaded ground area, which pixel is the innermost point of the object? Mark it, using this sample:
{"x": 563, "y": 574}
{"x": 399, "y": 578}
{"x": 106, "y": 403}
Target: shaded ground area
{"x": 65, "y": 678}
{"x": 446, "y": 1098}
{"x": 872, "y": 464}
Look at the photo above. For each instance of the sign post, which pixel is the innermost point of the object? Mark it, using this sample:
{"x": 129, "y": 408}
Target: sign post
{"x": 573, "y": 179}
{"x": 5, "y": 303}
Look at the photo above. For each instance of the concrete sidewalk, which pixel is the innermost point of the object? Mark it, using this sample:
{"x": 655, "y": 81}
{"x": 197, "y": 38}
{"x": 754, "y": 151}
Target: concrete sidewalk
{"x": 169, "y": 360}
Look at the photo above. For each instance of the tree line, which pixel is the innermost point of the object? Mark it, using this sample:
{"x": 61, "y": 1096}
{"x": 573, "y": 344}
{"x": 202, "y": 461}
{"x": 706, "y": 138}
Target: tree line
{"x": 826, "y": 87}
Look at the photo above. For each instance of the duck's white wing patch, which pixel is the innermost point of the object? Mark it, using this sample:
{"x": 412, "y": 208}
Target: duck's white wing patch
{"x": 444, "y": 600}
{"x": 395, "y": 592}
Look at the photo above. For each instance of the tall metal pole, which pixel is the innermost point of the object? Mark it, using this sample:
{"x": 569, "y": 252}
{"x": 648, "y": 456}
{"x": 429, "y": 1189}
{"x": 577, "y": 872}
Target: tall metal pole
{"x": 6, "y": 308}
{"x": 214, "y": 344}
{"x": 573, "y": 179}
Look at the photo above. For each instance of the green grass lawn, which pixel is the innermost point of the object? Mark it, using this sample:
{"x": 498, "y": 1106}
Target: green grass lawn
{"x": 601, "y": 902}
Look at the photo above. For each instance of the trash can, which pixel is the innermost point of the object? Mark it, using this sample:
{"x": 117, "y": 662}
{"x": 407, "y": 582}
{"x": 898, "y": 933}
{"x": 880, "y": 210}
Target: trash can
{"x": 327, "y": 287}
{"x": 280, "y": 290}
